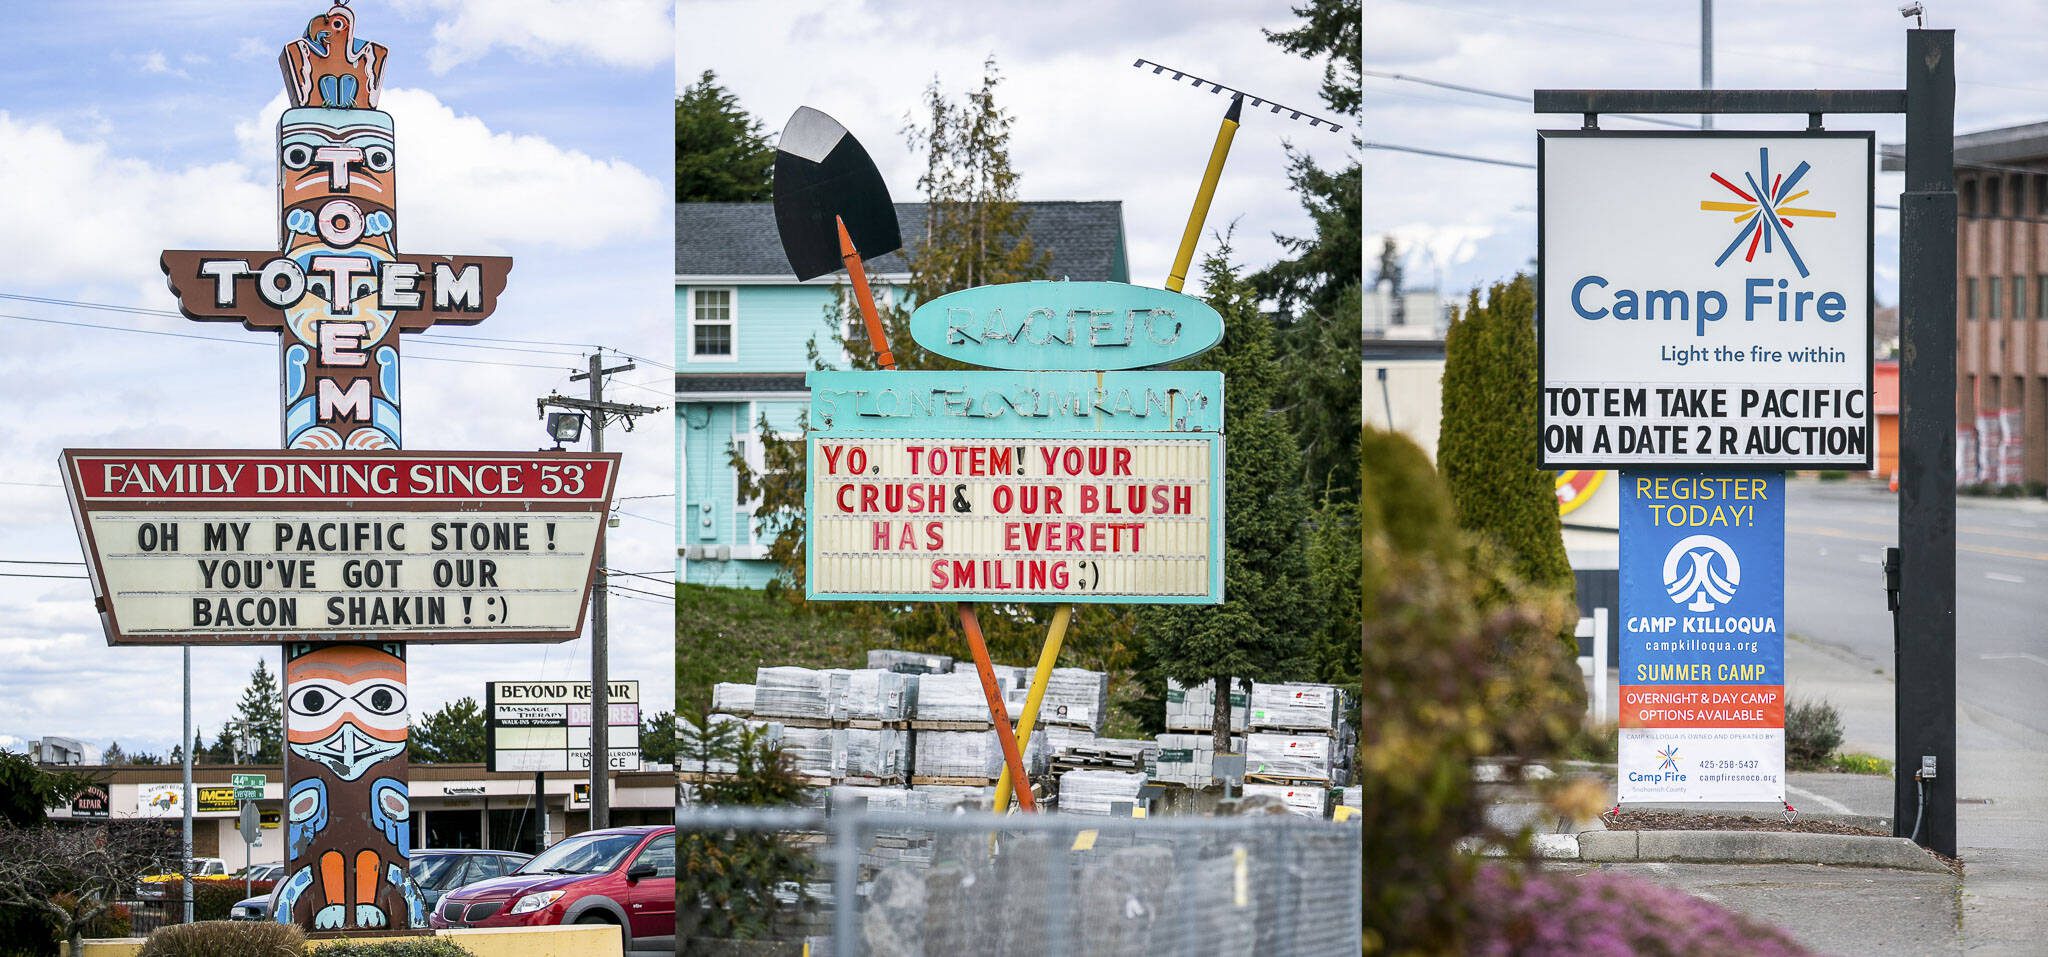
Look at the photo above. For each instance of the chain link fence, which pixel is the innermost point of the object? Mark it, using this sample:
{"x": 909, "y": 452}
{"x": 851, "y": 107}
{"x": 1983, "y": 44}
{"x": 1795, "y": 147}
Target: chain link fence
{"x": 915, "y": 884}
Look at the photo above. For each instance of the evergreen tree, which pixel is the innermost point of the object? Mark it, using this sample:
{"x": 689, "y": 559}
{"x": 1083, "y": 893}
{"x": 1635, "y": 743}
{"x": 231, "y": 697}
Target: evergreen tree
{"x": 261, "y": 712}
{"x": 658, "y": 738}
{"x": 114, "y": 755}
{"x": 1316, "y": 289}
{"x": 1486, "y": 447}
{"x": 1262, "y": 630}
{"x": 722, "y": 156}
{"x": 452, "y": 735}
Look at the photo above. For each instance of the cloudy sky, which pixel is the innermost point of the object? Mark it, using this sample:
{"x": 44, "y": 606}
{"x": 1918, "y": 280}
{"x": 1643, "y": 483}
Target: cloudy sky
{"x": 1461, "y": 224}
{"x": 1088, "y": 126}
{"x": 528, "y": 129}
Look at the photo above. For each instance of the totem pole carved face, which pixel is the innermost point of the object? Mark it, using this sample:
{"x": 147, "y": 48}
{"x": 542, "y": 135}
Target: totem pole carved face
{"x": 338, "y": 192}
{"x": 348, "y": 708}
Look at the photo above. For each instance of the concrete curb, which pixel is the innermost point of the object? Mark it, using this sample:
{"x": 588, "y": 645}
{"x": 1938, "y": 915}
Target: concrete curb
{"x": 1755, "y": 847}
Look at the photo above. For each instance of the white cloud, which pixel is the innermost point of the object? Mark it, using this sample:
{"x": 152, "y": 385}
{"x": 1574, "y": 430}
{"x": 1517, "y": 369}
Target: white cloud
{"x": 154, "y": 63}
{"x": 620, "y": 33}
{"x": 96, "y": 215}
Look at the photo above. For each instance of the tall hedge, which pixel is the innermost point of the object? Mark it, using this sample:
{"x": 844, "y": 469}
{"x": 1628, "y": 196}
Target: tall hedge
{"x": 1486, "y": 449}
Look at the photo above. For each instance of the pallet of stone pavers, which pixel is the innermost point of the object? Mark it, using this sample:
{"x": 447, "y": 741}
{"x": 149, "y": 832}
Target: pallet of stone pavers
{"x": 865, "y": 781}
{"x": 966, "y": 782}
{"x": 1295, "y": 782}
{"x": 870, "y": 724}
{"x": 789, "y": 722}
{"x": 920, "y": 725}
{"x": 1098, "y": 759}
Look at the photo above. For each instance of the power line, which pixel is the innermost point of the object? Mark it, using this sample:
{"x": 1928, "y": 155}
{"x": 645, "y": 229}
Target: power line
{"x": 31, "y": 561}
{"x": 641, "y": 591}
{"x": 1515, "y": 97}
{"x": 31, "y": 575}
{"x": 658, "y": 581}
{"x": 648, "y": 518}
{"x": 251, "y": 342}
{"x": 1441, "y": 154}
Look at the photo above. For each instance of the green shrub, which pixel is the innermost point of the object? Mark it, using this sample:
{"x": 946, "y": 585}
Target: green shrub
{"x": 1833, "y": 475}
{"x": 1461, "y": 660}
{"x": 226, "y": 938}
{"x": 1862, "y": 764}
{"x": 1813, "y": 730}
{"x": 212, "y": 897}
{"x": 2037, "y": 489}
{"x": 394, "y": 947}
{"x": 729, "y": 880}
{"x": 2009, "y": 491}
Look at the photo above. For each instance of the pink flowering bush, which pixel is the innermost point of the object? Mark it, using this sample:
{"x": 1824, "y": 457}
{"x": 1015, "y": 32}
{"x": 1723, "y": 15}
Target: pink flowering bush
{"x": 1532, "y": 913}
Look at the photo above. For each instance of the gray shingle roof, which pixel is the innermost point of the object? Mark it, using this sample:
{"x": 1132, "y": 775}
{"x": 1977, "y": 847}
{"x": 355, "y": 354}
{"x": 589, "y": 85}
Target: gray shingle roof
{"x": 738, "y": 239}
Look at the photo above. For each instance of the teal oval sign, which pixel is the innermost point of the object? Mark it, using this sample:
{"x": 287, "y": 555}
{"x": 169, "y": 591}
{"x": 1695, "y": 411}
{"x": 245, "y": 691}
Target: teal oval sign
{"x": 1066, "y": 326}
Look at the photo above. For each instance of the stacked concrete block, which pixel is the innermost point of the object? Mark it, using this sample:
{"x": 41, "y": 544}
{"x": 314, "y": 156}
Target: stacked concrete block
{"x": 1075, "y": 698}
{"x": 1308, "y": 800}
{"x": 1295, "y": 707}
{"x": 694, "y": 745}
{"x": 879, "y": 755}
{"x": 1193, "y": 709}
{"x": 910, "y": 662}
{"x": 1272, "y": 756}
{"x": 1093, "y": 792}
{"x": 731, "y": 698}
{"x": 816, "y": 753}
{"x": 878, "y": 696}
{"x": 974, "y": 755}
{"x": 801, "y": 693}
{"x": 1188, "y": 759}
{"x": 952, "y": 697}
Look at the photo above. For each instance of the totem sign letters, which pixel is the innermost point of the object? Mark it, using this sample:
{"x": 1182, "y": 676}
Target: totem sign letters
{"x": 342, "y": 546}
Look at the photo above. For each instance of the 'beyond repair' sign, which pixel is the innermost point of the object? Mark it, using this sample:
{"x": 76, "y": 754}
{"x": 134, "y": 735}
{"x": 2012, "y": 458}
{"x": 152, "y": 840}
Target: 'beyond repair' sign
{"x": 261, "y": 547}
{"x": 1702, "y": 636}
{"x": 1705, "y": 299}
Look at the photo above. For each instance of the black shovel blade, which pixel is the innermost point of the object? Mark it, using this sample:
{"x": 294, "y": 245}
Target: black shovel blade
{"x": 822, "y": 175}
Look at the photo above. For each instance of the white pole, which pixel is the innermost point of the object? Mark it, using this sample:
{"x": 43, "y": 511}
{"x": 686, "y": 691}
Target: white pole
{"x": 185, "y": 802}
{"x": 1600, "y": 664}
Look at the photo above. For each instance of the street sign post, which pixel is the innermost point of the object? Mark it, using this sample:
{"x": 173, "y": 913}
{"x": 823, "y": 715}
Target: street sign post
{"x": 1926, "y": 698}
{"x": 249, "y": 787}
{"x": 251, "y": 826}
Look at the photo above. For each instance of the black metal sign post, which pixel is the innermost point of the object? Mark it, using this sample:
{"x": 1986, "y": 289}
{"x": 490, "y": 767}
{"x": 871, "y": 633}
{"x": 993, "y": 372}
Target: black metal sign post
{"x": 1924, "y": 805}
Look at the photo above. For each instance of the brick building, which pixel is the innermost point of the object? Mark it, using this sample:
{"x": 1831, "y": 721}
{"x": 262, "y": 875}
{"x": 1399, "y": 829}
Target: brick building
{"x": 2001, "y": 304}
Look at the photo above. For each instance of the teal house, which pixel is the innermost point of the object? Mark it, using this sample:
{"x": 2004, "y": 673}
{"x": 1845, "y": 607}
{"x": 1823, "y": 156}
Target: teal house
{"x": 745, "y": 328}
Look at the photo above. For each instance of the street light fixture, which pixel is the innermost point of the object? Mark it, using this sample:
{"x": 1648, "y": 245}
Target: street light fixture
{"x": 565, "y": 428}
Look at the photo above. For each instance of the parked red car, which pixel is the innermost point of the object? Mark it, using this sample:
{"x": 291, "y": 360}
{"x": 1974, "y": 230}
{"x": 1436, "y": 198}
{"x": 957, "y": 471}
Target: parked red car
{"x": 623, "y": 875}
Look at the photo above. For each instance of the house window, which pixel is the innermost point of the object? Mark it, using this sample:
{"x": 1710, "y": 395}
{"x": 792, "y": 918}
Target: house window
{"x": 1970, "y": 298}
{"x": 2041, "y": 297}
{"x": 2019, "y": 297}
{"x": 1997, "y": 287}
{"x": 1994, "y": 200}
{"x": 711, "y": 324}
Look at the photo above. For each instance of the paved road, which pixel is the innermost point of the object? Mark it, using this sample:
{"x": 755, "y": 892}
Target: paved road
{"x": 1834, "y": 589}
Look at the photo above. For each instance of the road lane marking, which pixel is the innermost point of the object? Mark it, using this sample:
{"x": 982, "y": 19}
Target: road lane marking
{"x": 1808, "y": 797}
{"x": 1826, "y": 532}
{"x": 2037, "y": 659}
{"x": 2008, "y": 579}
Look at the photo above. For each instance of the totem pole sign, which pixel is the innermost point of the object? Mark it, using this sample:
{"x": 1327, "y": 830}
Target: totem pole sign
{"x": 340, "y": 547}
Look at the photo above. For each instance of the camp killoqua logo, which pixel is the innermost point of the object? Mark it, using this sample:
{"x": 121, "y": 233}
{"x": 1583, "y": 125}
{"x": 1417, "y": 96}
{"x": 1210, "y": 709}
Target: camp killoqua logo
{"x": 1765, "y": 217}
{"x": 1701, "y": 572}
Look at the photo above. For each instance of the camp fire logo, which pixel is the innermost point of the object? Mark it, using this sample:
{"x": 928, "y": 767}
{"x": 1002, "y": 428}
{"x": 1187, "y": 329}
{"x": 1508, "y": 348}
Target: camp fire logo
{"x": 1764, "y": 216}
{"x": 1691, "y": 573}
{"x": 1667, "y": 758}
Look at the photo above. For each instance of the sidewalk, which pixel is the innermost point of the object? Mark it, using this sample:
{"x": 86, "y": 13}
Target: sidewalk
{"x": 1999, "y": 906}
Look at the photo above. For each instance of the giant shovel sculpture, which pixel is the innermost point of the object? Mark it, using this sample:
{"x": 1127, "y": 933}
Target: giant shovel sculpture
{"x": 833, "y": 211}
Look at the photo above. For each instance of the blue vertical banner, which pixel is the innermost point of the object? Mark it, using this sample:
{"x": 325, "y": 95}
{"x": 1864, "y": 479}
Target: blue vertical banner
{"x": 1702, "y": 636}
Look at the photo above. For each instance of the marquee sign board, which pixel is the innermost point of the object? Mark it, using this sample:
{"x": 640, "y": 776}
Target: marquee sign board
{"x": 1016, "y": 486}
{"x": 545, "y": 725}
{"x": 190, "y": 547}
{"x": 1702, "y": 636}
{"x": 1066, "y": 325}
{"x": 1705, "y": 299}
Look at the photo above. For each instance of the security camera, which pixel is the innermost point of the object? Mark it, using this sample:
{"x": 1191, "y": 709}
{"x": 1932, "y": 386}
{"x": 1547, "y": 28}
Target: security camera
{"x": 1915, "y": 12}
